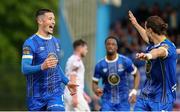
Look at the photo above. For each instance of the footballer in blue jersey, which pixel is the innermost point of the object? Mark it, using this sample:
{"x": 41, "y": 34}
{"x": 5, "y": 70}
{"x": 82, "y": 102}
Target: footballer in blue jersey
{"x": 159, "y": 90}
{"x": 114, "y": 70}
{"x": 41, "y": 66}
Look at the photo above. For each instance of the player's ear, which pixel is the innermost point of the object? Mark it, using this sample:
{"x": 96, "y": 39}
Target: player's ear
{"x": 116, "y": 48}
{"x": 150, "y": 30}
{"x": 39, "y": 20}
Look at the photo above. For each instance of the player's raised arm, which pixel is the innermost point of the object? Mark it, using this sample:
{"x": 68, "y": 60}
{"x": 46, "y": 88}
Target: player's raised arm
{"x": 139, "y": 28}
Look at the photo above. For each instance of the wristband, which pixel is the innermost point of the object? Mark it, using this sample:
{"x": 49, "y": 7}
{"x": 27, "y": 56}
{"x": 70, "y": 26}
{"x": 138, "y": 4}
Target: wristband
{"x": 149, "y": 56}
{"x": 134, "y": 91}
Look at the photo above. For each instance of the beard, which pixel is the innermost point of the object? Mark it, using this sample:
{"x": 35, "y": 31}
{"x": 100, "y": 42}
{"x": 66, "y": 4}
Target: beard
{"x": 110, "y": 53}
{"x": 83, "y": 55}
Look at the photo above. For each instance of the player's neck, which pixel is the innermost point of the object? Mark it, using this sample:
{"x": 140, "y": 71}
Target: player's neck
{"x": 44, "y": 34}
{"x": 111, "y": 57}
{"x": 159, "y": 39}
{"x": 77, "y": 54}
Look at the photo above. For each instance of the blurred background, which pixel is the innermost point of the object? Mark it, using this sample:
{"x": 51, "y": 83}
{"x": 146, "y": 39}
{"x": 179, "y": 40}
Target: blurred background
{"x": 91, "y": 20}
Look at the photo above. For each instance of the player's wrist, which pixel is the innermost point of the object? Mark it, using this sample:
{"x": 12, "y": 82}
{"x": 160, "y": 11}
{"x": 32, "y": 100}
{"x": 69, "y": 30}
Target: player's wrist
{"x": 133, "y": 92}
{"x": 149, "y": 56}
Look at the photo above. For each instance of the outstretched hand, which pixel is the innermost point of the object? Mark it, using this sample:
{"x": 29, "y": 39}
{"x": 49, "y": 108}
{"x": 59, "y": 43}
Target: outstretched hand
{"x": 132, "y": 18}
{"x": 143, "y": 56}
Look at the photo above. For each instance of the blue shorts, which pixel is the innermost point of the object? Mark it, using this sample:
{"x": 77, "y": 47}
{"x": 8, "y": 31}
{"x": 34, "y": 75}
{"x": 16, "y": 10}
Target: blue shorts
{"x": 107, "y": 106}
{"x": 47, "y": 103}
{"x": 149, "y": 105}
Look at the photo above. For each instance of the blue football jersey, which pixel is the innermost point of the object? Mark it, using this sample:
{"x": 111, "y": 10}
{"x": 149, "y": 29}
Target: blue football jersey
{"x": 115, "y": 78}
{"x": 160, "y": 85}
{"x": 42, "y": 82}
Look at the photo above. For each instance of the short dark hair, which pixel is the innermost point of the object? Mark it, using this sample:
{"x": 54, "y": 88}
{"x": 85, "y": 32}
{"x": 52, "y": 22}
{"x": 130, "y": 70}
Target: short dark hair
{"x": 157, "y": 24}
{"x": 112, "y": 37}
{"x": 78, "y": 43}
{"x": 40, "y": 12}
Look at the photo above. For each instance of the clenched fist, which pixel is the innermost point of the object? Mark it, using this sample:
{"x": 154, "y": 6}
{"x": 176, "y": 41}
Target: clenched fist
{"x": 50, "y": 62}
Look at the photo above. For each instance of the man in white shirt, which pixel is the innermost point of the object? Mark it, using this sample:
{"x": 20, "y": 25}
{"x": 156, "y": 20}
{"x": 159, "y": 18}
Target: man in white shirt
{"x": 75, "y": 71}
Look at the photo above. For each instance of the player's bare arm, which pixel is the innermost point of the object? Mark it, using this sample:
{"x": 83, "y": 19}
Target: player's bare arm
{"x": 139, "y": 28}
{"x": 73, "y": 78}
{"x": 72, "y": 85}
{"x": 87, "y": 97}
{"x": 98, "y": 91}
{"x": 133, "y": 93}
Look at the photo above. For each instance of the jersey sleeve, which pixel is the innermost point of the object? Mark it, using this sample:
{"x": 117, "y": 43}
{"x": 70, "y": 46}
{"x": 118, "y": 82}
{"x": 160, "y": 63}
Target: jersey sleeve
{"x": 148, "y": 48}
{"x": 28, "y": 50}
{"x": 65, "y": 80}
{"x": 59, "y": 49}
{"x": 169, "y": 49}
{"x": 27, "y": 56}
{"x": 97, "y": 74}
{"x": 130, "y": 67}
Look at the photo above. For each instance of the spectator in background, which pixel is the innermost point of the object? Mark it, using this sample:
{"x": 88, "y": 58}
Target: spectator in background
{"x": 155, "y": 10}
{"x": 142, "y": 13}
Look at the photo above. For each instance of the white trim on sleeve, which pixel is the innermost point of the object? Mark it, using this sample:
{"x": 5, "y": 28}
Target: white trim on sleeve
{"x": 135, "y": 69}
{"x": 95, "y": 79}
{"x": 27, "y": 56}
{"x": 165, "y": 51}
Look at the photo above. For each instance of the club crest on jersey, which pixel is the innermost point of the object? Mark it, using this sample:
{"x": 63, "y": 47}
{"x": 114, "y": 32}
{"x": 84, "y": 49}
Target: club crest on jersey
{"x": 120, "y": 68}
{"x": 26, "y": 50}
{"x": 114, "y": 79}
{"x": 105, "y": 70}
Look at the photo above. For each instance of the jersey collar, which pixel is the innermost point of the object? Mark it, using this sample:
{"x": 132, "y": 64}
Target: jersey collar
{"x": 45, "y": 38}
{"x": 111, "y": 61}
{"x": 164, "y": 38}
